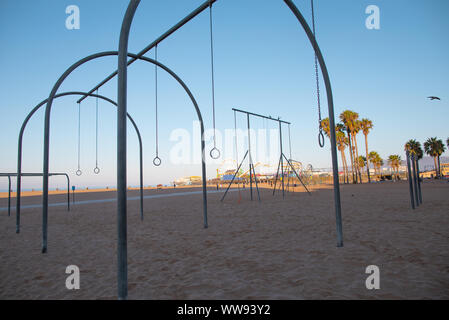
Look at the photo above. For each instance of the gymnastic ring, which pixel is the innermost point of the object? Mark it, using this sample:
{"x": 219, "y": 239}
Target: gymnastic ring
{"x": 321, "y": 139}
{"x": 96, "y": 170}
{"x": 157, "y": 161}
{"x": 79, "y": 172}
{"x": 217, "y": 153}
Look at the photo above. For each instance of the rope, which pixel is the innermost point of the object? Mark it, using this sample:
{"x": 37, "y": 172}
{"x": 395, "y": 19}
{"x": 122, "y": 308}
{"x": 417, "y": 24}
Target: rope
{"x": 213, "y": 83}
{"x": 320, "y": 135}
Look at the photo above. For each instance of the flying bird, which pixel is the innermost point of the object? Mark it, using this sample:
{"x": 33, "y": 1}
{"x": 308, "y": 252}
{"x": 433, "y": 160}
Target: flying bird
{"x": 433, "y": 98}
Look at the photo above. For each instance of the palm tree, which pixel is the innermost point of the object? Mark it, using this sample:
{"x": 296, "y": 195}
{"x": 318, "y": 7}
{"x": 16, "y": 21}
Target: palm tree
{"x": 366, "y": 126}
{"x": 447, "y": 142}
{"x": 435, "y": 148}
{"x": 361, "y": 161}
{"x": 357, "y": 127}
{"x": 374, "y": 158}
{"x": 348, "y": 118}
{"x": 394, "y": 161}
{"x": 342, "y": 142}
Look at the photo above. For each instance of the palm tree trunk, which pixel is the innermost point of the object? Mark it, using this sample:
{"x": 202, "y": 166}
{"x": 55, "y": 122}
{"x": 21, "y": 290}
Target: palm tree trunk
{"x": 343, "y": 160}
{"x": 352, "y": 158}
{"x": 367, "y": 159}
{"x": 357, "y": 153}
{"x": 439, "y": 168}
{"x": 435, "y": 163}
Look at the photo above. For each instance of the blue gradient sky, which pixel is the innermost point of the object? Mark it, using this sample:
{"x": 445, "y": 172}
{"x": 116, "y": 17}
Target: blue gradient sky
{"x": 263, "y": 63}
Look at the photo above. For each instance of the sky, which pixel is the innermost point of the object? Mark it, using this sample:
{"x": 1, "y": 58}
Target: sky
{"x": 263, "y": 63}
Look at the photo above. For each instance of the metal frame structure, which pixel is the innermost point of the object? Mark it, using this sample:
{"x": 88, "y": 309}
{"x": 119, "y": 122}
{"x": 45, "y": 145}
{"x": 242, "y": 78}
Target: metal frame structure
{"x": 20, "y": 152}
{"x": 121, "y": 129}
{"x": 121, "y": 183}
{"x": 251, "y": 165}
{"x": 9, "y": 175}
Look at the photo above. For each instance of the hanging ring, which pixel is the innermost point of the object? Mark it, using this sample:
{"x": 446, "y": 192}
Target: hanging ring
{"x": 79, "y": 172}
{"x": 321, "y": 139}
{"x": 97, "y": 170}
{"x": 215, "y": 153}
{"x": 157, "y": 161}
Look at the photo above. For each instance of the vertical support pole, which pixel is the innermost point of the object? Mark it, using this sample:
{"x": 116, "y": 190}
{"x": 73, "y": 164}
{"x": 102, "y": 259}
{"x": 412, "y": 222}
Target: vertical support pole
{"x": 250, "y": 158}
{"x": 415, "y": 178}
{"x": 419, "y": 180}
{"x": 282, "y": 158}
{"x": 410, "y": 182}
{"x": 122, "y": 246}
{"x": 330, "y": 104}
{"x": 68, "y": 192}
{"x": 9, "y": 196}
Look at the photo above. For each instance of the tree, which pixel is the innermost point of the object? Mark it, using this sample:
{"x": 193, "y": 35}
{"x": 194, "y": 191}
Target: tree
{"x": 341, "y": 139}
{"x": 349, "y": 119}
{"x": 394, "y": 161}
{"x": 342, "y": 142}
{"x": 361, "y": 161}
{"x": 435, "y": 148}
{"x": 376, "y": 160}
{"x": 366, "y": 126}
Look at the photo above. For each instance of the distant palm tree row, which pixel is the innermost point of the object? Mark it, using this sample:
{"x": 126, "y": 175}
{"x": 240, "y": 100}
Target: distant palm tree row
{"x": 346, "y": 136}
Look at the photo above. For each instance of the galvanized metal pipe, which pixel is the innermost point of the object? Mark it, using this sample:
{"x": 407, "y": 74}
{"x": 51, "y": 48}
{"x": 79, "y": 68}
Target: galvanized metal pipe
{"x": 20, "y": 144}
{"x": 330, "y": 104}
{"x": 410, "y": 182}
{"x": 415, "y": 178}
{"x": 164, "y": 36}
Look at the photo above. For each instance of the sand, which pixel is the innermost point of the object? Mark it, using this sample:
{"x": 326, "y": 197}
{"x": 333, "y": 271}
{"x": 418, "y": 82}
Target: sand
{"x": 275, "y": 249}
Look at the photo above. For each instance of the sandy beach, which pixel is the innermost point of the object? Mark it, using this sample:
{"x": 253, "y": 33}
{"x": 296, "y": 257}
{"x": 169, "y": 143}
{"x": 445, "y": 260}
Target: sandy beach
{"x": 275, "y": 249}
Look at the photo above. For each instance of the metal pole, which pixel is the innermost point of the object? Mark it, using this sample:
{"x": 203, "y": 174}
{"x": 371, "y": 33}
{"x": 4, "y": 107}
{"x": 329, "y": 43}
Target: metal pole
{"x": 189, "y": 17}
{"x": 20, "y": 143}
{"x": 9, "y": 196}
{"x": 68, "y": 192}
{"x": 282, "y": 159}
{"x": 419, "y": 180}
{"x": 415, "y": 182}
{"x": 299, "y": 178}
{"x": 122, "y": 246}
{"x": 260, "y": 116}
{"x": 410, "y": 182}
{"x": 330, "y": 104}
{"x": 277, "y": 174}
{"x": 250, "y": 159}
{"x": 232, "y": 180}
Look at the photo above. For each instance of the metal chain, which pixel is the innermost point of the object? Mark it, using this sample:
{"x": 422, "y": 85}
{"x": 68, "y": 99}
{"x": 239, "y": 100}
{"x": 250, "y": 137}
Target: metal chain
{"x": 320, "y": 135}
{"x": 78, "y": 172}
{"x": 213, "y": 82}
{"x": 96, "y": 132}
{"x": 156, "y": 103}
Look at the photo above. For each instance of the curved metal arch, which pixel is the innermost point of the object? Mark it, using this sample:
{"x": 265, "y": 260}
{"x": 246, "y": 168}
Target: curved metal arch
{"x": 330, "y": 105}
{"x": 47, "y": 134}
{"x": 20, "y": 143}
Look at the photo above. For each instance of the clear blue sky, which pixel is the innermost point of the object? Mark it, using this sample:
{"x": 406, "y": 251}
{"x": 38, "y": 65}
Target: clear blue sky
{"x": 263, "y": 63}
